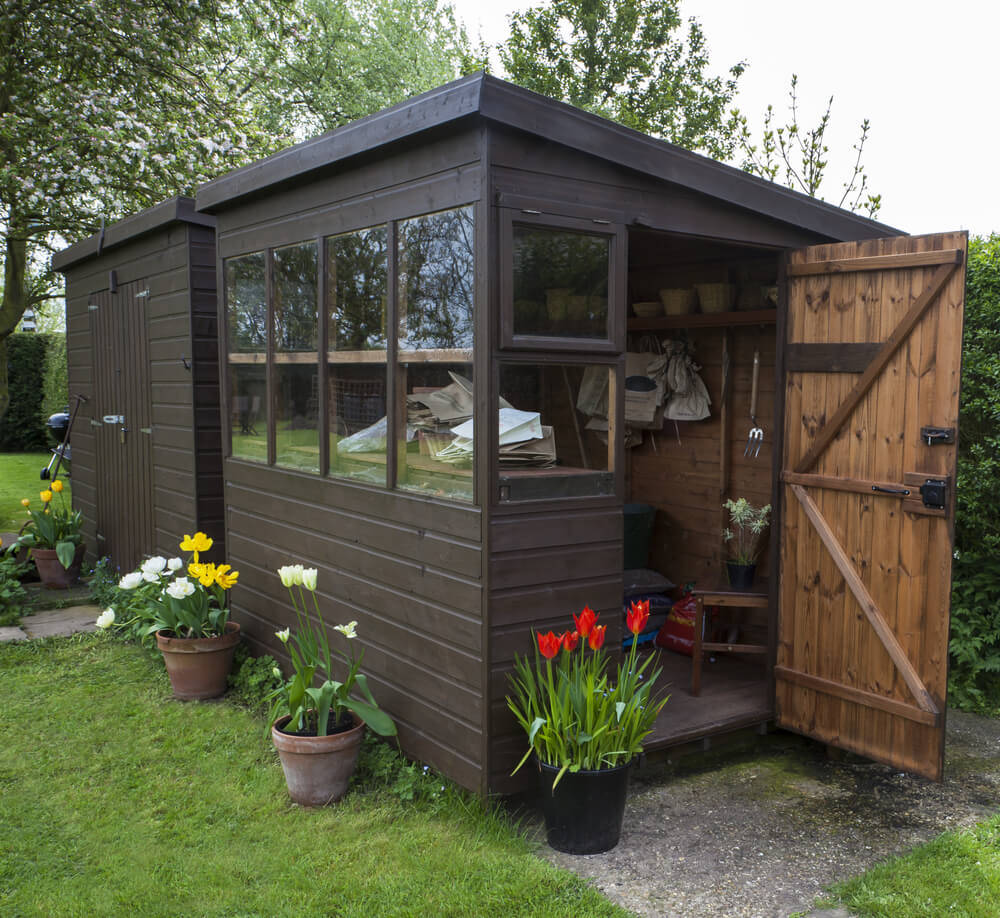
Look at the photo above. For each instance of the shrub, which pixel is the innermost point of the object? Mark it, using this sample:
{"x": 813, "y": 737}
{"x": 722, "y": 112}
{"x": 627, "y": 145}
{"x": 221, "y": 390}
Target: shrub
{"x": 13, "y": 596}
{"x": 22, "y": 428}
{"x": 974, "y": 682}
{"x": 55, "y": 382}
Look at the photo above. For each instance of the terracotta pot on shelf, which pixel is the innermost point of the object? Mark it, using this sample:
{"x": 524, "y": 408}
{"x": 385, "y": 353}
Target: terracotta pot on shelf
{"x": 585, "y": 812}
{"x": 317, "y": 768}
{"x": 50, "y": 570}
{"x": 199, "y": 667}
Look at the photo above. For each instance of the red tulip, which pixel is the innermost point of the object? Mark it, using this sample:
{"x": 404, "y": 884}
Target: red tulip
{"x": 570, "y": 640}
{"x": 549, "y": 645}
{"x": 596, "y": 637}
{"x": 637, "y": 616}
{"x": 585, "y": 621}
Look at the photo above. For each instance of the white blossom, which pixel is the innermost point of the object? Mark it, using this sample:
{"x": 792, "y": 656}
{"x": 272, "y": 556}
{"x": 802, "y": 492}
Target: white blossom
{"x": 106, "y": 619}
{"x": 347, "y": 630}
{"x": 130, "y": 581}
{"x": 180, "y": 588}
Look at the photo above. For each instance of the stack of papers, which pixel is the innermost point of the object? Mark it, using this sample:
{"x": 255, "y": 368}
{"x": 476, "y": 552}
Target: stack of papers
{"x": 524, "y": 441}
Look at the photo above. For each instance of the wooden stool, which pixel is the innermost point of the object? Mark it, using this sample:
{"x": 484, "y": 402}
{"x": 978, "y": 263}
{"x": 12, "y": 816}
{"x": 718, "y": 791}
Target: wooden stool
{"x": 720, "y": 597}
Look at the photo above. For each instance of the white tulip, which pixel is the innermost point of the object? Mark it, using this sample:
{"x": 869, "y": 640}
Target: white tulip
{"x": 153, "y": 565}
{"x": 309, "y": 579}
{"x": 282, "y": 636}
{"x": 348, "y": 630}
{"x": 175, "y": 564}
{"x": 150, "y": 577}
{"x": 180, "y": 588}
{"x": 130, "y": 581}
{"x": 287, "y": 575}
{"x": 106, "y": 619}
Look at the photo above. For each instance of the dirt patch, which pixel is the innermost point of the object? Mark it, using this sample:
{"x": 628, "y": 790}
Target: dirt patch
{"x": 761, "y": 831}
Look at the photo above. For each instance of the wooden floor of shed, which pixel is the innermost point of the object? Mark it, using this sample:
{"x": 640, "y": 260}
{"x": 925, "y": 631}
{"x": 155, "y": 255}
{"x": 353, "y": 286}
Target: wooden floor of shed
{"x": 733, "y": 695}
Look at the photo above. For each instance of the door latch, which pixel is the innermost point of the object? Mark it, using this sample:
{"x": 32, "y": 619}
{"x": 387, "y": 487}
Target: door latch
{"x": 934, "y": 493}
{"x": 114, "y": 419}
{"x": 937, "y": 436}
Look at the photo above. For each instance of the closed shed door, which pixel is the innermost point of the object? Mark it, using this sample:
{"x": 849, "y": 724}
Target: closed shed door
{"x": 873, "y": 359}
{"x": 123, "y": 433}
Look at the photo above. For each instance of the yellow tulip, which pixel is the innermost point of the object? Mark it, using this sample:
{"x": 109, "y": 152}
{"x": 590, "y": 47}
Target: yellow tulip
{"x": 223, "y": 578}
{"x": 197, "y": 543}
{"x": 46, "y": 496}
{"x": 207, "y": 576}
{"x": 57, "y": 486}
{"x": 25, "y": 502}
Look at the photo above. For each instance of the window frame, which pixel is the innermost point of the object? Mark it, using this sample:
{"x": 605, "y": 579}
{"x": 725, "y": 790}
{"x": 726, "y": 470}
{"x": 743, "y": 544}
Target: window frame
{"x": 614, "y": 340}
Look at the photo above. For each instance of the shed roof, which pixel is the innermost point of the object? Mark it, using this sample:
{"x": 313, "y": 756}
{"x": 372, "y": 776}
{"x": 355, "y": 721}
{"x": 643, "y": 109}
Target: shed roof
{"x": 495, "y": 100}
{"x": 173, "y": 210}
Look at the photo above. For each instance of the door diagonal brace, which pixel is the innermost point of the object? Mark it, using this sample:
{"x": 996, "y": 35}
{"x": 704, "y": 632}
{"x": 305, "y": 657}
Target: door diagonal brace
{"x": 867, "y": 603}
{"x": 884, "y": 355}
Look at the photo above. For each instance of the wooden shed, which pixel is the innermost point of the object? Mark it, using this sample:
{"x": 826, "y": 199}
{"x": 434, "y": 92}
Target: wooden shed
{"x": 432, "y": 327}
{"x": 142, "y": 347}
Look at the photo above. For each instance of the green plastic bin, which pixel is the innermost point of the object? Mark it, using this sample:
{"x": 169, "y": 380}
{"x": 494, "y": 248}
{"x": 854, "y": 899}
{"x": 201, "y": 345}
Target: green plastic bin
{"x": 638, "y": 529}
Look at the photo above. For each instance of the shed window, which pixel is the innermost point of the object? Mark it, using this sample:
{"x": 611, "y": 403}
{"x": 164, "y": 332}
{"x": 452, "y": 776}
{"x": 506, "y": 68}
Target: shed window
{"x": 357, "y": 288}
{"x": 296, "y": 363}
{"x": 556, "y": 427}
{"x": 434, "y": 383}
{"x": 246, "y": 299}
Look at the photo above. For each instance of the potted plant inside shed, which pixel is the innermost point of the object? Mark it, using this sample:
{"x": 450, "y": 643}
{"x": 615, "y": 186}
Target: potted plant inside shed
{"x": 585, "y": 727}
{"x": 317, "y": 730}
{"x": 54, "y": 538}
{"x": 190, "y": 617}
{"x": 745, "y": 537}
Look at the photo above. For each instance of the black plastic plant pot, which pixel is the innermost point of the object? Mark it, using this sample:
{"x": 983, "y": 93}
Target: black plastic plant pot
{"x": 584, "y": 814}
{"x": 741, "y": 576}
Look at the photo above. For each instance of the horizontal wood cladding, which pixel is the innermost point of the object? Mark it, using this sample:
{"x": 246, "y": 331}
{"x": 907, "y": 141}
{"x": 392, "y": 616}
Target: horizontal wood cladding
{"x": 536, "y": 168}
{"x": 364, "y": 182}
{"x": 454, "y": 520}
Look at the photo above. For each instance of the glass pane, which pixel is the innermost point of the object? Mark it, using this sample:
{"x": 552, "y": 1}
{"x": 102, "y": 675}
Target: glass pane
{"x": 296, "y": 376}
{"x": 553, "y": 431}
{"x": 434, "y": 376}
{"x": 246, "y": 304}
{"x": 296, "y": 323}
{"x": 560, "y": 283}
{"x": 296, "y": 418}
{"x": 358, "y": 286}
{"x": 248, "y": 410}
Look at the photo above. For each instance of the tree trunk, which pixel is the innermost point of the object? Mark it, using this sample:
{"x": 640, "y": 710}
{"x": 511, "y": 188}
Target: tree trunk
{"x": 15, "y": 297}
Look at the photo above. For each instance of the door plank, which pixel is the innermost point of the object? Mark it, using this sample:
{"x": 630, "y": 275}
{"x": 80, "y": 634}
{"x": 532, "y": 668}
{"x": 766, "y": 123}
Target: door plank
{"x": 877, "y": 262}
{"x": 868, "y": 606}
{"x": 885, "y": 354}
{"x": 859, "y": 696}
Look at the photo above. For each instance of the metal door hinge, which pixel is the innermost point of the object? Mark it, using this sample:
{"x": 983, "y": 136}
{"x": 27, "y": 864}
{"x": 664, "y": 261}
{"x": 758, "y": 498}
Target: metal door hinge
{"x": 934, "y": 493}
{"x": 93, "y": 307}
{"x": 95, "y": 423}
{"x": 146, "y": 430}
{"x": 142, "y": 293}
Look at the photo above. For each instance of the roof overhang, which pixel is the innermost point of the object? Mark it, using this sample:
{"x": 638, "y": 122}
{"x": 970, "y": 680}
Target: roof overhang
{"x": 173, "y": 210}
{"x": 500, "y": 102}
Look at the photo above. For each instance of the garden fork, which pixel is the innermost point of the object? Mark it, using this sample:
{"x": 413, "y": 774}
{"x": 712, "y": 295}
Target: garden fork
{"x": 756, "y": 436}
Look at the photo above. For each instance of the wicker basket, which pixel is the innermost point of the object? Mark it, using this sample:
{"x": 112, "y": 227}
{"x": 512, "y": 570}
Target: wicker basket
{"x": 648, "y": 310}
{"x": 678, "y": 301}
{"x": 715, "y": 297}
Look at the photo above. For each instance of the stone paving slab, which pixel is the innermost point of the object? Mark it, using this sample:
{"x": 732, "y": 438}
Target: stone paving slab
{"x": 61, "y": 622}
{"x": 8, "y": 633}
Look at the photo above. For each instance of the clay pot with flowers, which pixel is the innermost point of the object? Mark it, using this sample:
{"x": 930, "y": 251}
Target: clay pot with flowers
{"x": 585, "y": 725}
{"x": 317, "y": 729}
{"x": 189, "y": 614}
{"x": 52, "y": 533}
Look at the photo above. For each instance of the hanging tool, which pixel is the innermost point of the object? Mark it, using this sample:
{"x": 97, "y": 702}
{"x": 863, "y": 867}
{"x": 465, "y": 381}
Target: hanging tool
{"x": 59, "y": 453}
{"x": 756, "y": 436}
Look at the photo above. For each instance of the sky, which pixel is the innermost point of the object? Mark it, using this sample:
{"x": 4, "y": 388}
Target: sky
{"x": 923, "y": 74}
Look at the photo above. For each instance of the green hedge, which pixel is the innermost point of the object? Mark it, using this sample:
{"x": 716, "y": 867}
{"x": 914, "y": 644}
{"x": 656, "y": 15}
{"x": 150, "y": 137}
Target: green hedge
{"x": 22, "y": 428}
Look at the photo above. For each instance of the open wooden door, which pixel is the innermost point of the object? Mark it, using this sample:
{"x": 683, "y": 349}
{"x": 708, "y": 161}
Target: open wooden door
{"x": 872, "y": 358}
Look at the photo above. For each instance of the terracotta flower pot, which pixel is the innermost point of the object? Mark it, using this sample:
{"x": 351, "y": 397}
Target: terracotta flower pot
{"x": 317, "y": 768}
{"x": 199, "y": 667}
{"x": 50, "y": 570}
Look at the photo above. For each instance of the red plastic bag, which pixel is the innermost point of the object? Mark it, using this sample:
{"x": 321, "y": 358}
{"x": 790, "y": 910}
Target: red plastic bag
{"x": 677, "y": 632}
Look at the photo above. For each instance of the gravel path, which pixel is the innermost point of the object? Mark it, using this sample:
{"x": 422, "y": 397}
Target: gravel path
{"x": 761, "y": 832}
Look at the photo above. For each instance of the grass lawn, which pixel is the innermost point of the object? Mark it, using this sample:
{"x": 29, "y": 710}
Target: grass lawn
{"x": 18, "y": 479}
{"x": 957, "y": 874}
{"x": 119, "y": 800}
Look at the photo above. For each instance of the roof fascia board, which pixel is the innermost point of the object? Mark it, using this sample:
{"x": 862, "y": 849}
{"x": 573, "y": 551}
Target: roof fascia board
{"x": 173, "y": 210}
{"x": 527, "y": 111}
{"x": 431, "y": 109}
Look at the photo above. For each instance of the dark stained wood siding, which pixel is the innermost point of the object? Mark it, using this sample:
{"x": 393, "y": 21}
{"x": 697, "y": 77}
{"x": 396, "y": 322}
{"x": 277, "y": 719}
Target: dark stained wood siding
{"x": 408, "y": 569}
{"x": 175, "y": 263}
